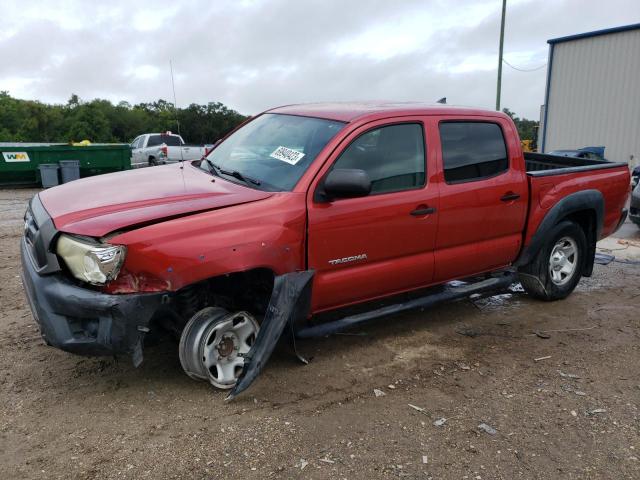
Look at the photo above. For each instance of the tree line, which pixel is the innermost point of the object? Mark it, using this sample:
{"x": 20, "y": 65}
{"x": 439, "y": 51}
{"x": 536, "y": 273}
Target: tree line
{"x": 102, "y": 121}
{"x": 527, "y": 129}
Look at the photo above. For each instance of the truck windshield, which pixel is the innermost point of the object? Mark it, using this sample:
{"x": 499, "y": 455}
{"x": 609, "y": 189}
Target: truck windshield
{"x": 275, "y": 150}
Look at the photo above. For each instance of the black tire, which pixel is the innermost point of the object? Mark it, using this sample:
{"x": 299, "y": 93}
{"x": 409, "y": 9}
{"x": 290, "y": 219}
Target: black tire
{"x": 152, "y": 162}
{"x": 536, "y": 277}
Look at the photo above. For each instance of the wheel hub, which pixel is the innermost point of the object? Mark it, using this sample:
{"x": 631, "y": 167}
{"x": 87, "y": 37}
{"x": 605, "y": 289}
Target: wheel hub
{"x": 563, "y": 261}
{"x": 226, "y": 346}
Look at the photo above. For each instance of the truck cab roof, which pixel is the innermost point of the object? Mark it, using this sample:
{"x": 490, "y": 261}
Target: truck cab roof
{"x": 351, "y": 111}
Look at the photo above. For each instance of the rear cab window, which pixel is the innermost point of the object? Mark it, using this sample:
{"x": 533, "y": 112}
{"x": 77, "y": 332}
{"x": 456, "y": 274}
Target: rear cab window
{"x": 170, "y": 140}
{"x": 392, "y": 156}
{"x": 472, "y": 151}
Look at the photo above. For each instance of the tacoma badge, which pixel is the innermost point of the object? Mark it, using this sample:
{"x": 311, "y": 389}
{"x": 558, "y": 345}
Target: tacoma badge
{"x": 354, "y": 258}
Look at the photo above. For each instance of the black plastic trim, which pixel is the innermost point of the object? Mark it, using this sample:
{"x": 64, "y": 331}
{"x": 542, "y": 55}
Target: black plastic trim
{"x": 585, "y": 168}
{"x": 576, "y": 202}
{"x": 290, "y": 304}
{"x": 449, "y": 293}
{"x": 40, "y": 234}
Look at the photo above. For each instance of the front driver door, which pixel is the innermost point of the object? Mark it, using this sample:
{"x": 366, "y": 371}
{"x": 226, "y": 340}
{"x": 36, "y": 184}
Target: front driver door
{"x": 373, "y": 246}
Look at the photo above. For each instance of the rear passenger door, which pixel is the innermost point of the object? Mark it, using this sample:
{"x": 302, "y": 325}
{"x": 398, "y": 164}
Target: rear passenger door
{"x": 367, "y": 247}
{"x": 483, "y": 196}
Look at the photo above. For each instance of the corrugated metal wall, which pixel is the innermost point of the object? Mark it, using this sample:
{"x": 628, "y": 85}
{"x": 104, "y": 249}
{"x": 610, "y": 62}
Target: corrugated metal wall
{"x": 594, "y": 95}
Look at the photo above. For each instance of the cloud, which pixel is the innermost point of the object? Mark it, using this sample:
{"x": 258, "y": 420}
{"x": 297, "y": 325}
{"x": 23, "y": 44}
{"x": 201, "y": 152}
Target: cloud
{"x": 253, "y": 55}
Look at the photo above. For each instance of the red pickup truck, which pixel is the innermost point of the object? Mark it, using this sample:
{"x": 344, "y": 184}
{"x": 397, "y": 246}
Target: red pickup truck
{"x": 304, "y": 210}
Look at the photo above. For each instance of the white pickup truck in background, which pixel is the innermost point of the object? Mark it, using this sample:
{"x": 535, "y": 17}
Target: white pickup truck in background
{"x": 151, "y": 149}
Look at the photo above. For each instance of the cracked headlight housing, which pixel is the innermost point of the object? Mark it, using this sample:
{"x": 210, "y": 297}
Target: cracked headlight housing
{"x": 94, "y": 263}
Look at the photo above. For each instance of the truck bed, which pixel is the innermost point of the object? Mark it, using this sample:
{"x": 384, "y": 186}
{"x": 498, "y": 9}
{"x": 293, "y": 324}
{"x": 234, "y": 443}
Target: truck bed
{"x": 552, "y": 178}
{"x": 543, "y": 164}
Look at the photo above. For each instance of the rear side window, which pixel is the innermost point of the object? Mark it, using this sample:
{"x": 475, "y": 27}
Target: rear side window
{"x": 392, "y": 156}
{"x": 472, "y": 151}
{"x": 154, "y": 141}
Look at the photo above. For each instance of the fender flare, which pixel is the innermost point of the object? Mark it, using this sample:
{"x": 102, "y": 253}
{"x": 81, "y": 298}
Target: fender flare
{"x": 592, "y": 200}
{"x": 289, "y": 305}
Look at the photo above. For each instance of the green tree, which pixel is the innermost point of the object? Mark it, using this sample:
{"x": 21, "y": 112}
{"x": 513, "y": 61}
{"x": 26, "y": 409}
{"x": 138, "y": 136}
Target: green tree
{"x": 101, "y": 121}
{"x": 527, "y": 129}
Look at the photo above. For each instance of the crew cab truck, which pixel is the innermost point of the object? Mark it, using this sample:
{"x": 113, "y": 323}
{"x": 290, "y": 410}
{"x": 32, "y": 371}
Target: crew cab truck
{"x": 152, "y": 149}
{"x": 300, "y": 212}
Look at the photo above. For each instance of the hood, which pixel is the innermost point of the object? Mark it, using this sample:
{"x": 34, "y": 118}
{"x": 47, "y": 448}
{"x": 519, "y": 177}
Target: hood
{"x": 99, "y": 205}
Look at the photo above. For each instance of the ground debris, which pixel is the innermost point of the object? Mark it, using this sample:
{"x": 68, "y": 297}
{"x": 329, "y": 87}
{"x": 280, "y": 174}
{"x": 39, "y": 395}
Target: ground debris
{"x": 440, "y": 422}
{"x": 378, "y": 393}
{"x": 596, "y": 411}
{"x": 419, "y": 409}
{"x": 487, "y": 429}
{"x": 568, "y": 375}
{"x": 467, "y": 331}
{"x": 541, "y": 358}
{"x": 542, "y": 335}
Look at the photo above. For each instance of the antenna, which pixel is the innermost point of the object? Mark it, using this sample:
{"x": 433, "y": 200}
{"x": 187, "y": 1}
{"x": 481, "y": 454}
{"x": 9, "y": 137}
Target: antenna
{"x": 175, "y": 112}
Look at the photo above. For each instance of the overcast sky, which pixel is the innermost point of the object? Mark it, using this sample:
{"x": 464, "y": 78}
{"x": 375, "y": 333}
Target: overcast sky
{"x": 255, "y": 54}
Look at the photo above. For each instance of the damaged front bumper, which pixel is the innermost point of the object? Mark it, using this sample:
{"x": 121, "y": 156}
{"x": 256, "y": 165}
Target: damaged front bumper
{"x": 84, "y": 321}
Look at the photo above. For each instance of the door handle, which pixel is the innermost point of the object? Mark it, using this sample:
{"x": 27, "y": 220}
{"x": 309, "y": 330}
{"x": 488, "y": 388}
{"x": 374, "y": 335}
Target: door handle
{"x": 507, "y": 197}
{"x": 423, "y": 210}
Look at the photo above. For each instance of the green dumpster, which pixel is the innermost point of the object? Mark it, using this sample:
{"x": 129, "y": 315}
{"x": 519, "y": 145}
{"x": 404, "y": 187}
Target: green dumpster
{"x": 19, "y": 161}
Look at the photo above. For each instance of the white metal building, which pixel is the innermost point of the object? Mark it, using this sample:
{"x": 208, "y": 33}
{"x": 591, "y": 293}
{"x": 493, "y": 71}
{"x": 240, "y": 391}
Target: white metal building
{"x": 593, "y": 93}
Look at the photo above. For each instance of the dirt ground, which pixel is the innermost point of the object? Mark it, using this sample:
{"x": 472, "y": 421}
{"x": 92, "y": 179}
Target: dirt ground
{"x": 571, "y": 414}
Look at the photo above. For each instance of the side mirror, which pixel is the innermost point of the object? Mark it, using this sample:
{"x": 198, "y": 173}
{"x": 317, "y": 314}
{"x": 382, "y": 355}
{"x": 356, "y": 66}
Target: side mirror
{"x": 346, "y": 183}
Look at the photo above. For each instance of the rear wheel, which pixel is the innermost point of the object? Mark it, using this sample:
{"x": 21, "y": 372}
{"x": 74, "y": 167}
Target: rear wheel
{"x": 152, "y": 162}
{"x": 557, "y": 268}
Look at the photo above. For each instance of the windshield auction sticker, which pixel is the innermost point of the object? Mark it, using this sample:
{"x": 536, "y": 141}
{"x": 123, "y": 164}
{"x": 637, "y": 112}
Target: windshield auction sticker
{"x": 287, "y": 155}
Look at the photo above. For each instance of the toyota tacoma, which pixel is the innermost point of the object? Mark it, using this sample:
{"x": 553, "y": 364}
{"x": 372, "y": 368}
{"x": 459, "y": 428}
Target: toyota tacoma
{"x": 300, "y": 223}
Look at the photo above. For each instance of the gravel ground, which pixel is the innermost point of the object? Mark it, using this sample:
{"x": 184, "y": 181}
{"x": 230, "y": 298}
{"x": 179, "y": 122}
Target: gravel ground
{"x": 571, "y": 414}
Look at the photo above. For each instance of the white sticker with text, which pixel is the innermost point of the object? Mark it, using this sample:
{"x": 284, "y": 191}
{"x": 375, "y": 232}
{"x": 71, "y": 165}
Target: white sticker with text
{"x": 287, "y": 155}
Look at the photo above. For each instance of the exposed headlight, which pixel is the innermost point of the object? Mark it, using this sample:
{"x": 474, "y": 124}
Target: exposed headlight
{"x": 95, "y": 263}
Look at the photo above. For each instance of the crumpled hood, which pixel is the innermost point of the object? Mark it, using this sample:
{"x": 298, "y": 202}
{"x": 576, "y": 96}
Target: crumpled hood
{"x": 96, "y": 206}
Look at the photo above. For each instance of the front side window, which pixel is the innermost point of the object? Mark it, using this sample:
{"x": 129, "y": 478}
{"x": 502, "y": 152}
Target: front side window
{"x": 472, "y": 151}
{"x": 392, "y": 156}
{"x": 275, "y": 150}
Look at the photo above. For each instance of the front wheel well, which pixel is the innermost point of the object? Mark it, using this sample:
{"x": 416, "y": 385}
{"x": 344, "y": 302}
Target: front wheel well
{"x": 249, "y": 290}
